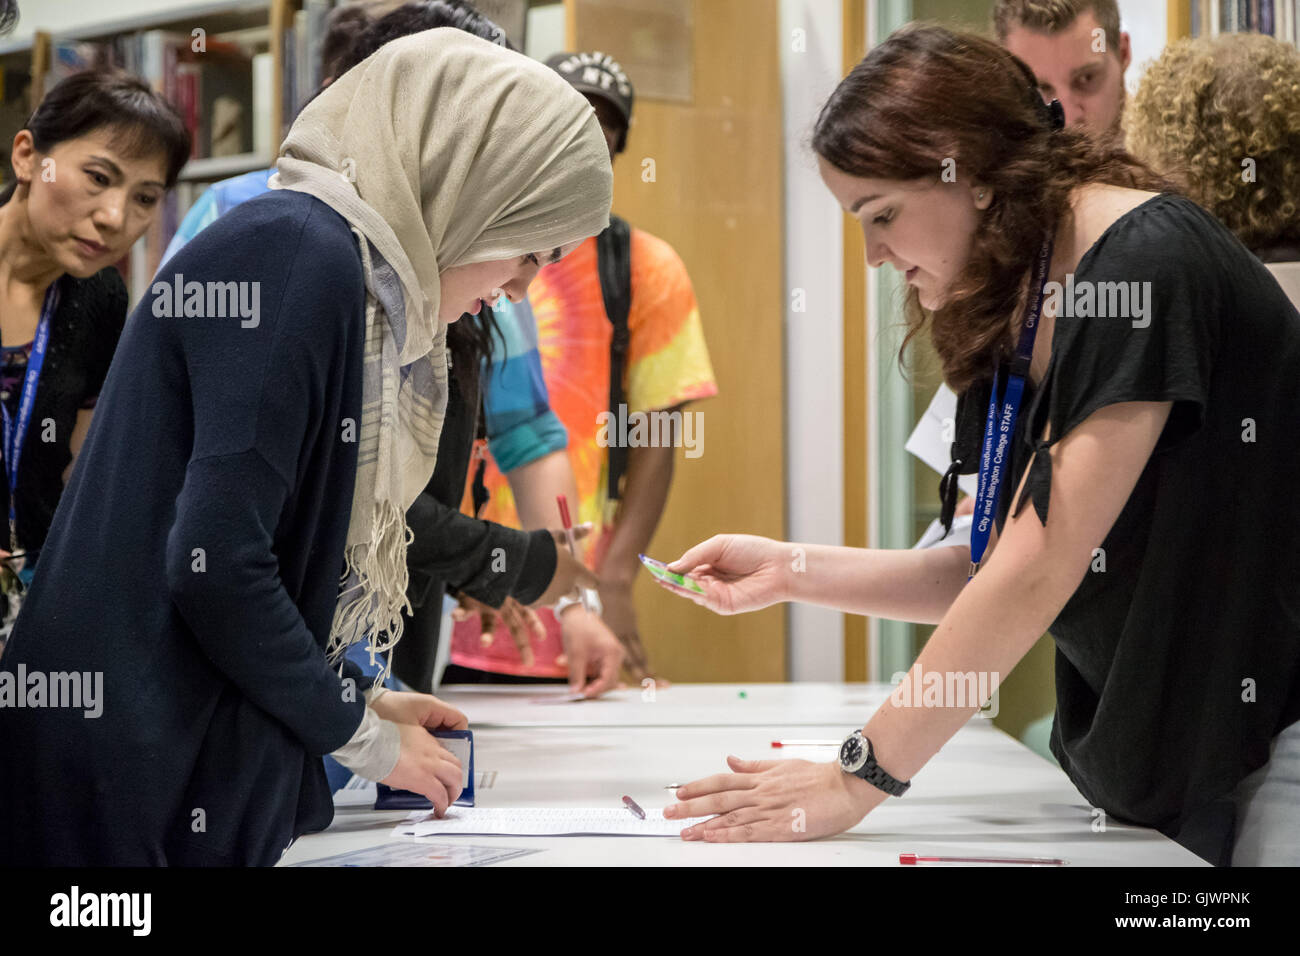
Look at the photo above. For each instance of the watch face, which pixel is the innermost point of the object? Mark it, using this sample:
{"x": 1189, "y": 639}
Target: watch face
{"x": 852, "y": 754}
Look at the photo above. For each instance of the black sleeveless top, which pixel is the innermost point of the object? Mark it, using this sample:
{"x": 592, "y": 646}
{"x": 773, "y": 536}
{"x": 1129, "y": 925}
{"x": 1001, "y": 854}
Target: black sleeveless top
{"x": 1178, "y": 656}
{"x": 83, "y": 336}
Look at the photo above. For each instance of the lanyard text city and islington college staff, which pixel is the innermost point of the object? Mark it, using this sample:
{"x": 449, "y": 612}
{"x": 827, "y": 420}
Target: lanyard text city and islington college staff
{"x": 1000, "y": 426}
{"x": 15, "y": 432}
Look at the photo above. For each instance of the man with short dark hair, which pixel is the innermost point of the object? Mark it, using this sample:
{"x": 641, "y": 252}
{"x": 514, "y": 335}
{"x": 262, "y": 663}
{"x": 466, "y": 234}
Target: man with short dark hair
{"x": 1076, "y": 50}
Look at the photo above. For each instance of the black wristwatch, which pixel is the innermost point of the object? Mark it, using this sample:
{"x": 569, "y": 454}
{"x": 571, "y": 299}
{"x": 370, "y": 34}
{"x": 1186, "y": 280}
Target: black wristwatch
{"x": 857, "y": 758}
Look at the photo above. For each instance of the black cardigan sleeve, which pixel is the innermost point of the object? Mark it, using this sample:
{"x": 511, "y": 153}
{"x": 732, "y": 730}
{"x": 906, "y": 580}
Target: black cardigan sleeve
{"x": 254, "y": 433}
{"x": 485, "y": 560}
{"x": 234, "y": 603}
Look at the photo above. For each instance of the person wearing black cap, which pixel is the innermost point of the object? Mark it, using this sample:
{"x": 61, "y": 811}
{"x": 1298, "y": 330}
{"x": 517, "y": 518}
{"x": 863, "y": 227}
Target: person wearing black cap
{"x": 599, "y": 77}
{"x": 620, "y": 311}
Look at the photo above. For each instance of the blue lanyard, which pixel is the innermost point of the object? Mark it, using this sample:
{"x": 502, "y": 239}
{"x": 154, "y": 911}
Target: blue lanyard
{"x": 1000, "y": 425}
{"x": 15, "y": 433}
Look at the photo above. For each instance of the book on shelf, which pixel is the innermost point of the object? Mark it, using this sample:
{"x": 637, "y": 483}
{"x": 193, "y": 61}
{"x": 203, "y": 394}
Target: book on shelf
{"x": 15, "y": 108}
{"x": 1275, "y": 18}
{"x": 211, "y": 88}
{"x": 220, "y": 87}
{"x": 302, "y": 43}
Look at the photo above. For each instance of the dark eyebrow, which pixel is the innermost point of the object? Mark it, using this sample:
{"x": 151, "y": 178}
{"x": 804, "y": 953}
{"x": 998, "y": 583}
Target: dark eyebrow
{"x": 113, "y": 168}
{"x": 116, "y": 170}
{"x": 1079, "y": 69}
{"x": 862, "y": 202}
{"x": 555, "y": 254}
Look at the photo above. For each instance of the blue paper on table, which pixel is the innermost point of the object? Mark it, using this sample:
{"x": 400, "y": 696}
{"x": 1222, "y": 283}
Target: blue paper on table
{"x": 459, "y": 742}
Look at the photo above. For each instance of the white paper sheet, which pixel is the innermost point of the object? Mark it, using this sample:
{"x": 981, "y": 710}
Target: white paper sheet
{"x": 543, "y": 821}
{"x": 423, "y": 854}
{"x": 928, "y": 443}
{"x": 934, "y": 536}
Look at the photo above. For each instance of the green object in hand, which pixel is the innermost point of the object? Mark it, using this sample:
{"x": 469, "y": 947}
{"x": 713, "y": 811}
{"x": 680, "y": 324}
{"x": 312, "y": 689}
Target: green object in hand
{"x": 660, "y": 571}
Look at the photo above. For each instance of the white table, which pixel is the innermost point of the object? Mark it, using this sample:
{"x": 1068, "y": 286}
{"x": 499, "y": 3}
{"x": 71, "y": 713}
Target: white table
{"x": 984, "y": 794}
{"x": 682, "y": 705}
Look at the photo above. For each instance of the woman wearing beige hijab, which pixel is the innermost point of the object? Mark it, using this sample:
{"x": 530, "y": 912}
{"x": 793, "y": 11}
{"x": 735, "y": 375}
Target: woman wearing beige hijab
{"x": 274, "y": 407}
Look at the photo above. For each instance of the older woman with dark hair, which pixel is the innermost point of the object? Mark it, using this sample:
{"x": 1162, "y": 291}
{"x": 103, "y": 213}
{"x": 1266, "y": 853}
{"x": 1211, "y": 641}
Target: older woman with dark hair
{"x": 90, "y": 170}
{"x": 1157, "y": 364}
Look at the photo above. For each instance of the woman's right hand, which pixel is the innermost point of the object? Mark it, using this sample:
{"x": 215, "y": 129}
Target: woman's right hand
{"x": 426, "y": 767}
{"x": 739, "y": 572}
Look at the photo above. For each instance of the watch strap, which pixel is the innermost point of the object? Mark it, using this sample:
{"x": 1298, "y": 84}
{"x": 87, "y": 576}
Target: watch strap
{"x": 877, "y": 775}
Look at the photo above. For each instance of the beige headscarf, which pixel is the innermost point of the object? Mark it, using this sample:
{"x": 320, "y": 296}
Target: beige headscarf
{"x": 441, "y": 149}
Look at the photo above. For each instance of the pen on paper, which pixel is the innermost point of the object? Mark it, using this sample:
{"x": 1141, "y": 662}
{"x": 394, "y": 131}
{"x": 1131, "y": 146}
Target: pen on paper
{"x": 631, "y": 805}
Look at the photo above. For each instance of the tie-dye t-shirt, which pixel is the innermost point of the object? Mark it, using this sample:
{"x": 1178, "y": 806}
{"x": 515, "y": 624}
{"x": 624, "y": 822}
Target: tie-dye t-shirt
{"x": 667, "y": 365}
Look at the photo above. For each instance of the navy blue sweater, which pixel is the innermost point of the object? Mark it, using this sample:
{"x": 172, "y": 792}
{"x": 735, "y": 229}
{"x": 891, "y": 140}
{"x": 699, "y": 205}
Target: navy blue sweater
{"x": 194, "y": 561}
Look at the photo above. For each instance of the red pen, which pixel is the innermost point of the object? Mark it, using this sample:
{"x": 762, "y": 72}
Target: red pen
{"x": 567, "y": 523}
{"x": 911, "y": 859}
{"x": 807, "y": 743}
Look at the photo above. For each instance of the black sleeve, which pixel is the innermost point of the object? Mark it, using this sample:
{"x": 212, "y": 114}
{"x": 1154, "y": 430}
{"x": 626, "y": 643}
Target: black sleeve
{"x": 1160, "y": 352}
{"x": 250, "y": 433}
{"x": 237, "y": 607}
{"x": 1163, "y": 260}
{"x": 487, "y": 561}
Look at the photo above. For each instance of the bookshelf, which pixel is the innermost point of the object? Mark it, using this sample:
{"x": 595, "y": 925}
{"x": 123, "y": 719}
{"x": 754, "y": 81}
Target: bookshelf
{"x": 236, "y": 70}
{"x": 1194, "y": 18}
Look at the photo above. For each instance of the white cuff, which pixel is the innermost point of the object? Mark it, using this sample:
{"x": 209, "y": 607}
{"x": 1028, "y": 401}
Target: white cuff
{"x": 590, "y": 599}
{"x": 373, "y": 751}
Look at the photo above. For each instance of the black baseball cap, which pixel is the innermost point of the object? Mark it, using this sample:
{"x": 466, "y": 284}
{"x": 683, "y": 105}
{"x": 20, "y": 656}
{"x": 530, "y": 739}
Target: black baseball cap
{"x": 598, "y": 74}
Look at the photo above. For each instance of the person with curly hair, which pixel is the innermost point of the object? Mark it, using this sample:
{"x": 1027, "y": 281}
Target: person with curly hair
{"x": 1221, "y": 117}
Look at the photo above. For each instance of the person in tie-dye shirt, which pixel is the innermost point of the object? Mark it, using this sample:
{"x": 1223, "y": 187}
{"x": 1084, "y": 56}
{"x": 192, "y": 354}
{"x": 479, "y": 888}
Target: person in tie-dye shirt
{"x": 667, "y": 365}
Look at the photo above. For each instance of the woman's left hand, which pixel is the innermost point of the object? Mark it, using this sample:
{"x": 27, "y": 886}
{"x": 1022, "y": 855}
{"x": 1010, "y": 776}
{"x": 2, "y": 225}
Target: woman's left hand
{"x": 425, "y": 710}
{"x": 774, "y": 801}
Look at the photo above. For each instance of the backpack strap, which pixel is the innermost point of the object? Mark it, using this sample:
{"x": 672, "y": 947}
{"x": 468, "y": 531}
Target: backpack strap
{"x": 614, "y": 266}
{"x": 478, "y": 459}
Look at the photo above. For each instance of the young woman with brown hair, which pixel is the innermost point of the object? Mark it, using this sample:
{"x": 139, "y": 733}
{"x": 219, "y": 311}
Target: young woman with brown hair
{"x": 1153, "y": 440}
